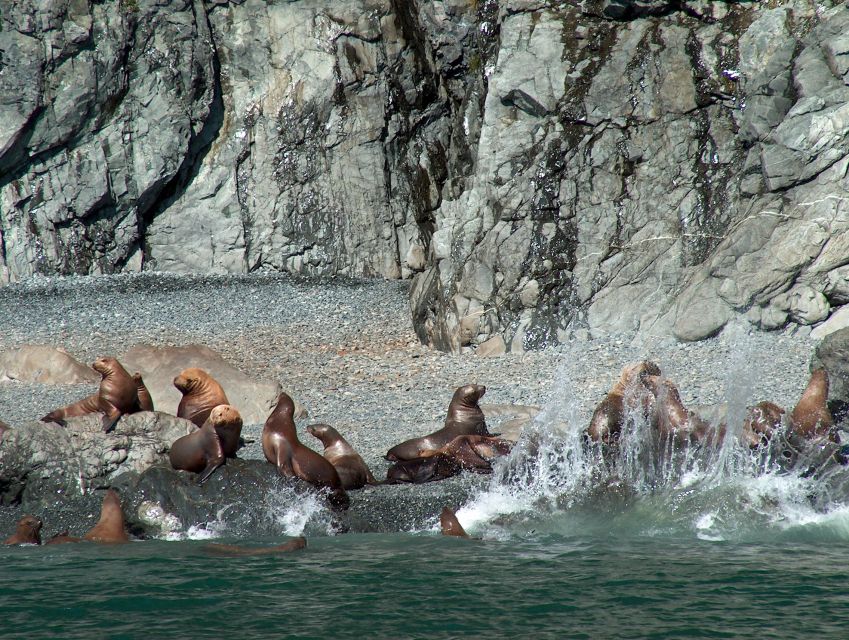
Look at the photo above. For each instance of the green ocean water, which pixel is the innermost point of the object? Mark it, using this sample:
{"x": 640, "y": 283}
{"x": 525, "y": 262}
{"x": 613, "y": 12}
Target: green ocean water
{"x": 429, "y": 586}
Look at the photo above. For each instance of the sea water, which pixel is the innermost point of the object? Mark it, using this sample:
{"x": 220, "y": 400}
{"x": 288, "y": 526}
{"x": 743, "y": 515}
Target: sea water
{"x": 653, "y": 541}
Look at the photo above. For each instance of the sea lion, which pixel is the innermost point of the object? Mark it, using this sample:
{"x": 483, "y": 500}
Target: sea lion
{"x": 144, "y": 400}
{"x": 201, "y": 394}
{"x": 626, "y": 396}
{"x": 62, "y": 538}
{"x": 421, "y": 470}
{"x": 450, "y": 525}
{"x": 235, "y": 550}
{"x": 473, "y": 453}
{"x": 761, "y": 422}
{"x": 671, "y": 419}
{"x": 110, "y": 527}
{"x": 117, "y": 396}
{"x": 811, "y": 417}
{"x": 294, "y": 460}
{"x": 206, "y": 449}
{"x": 27, "y": 531}
{"x": 352, "y": 469}
{"x": 464, "y": 418}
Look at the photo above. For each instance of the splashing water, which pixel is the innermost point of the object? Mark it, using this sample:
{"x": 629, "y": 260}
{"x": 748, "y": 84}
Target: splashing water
{"x": 555, "y": 480}
{"x": 294, "y": 512}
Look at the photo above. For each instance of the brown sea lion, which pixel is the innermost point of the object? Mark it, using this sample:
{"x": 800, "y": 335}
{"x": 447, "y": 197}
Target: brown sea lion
{"x": 352, "y": 469}
{"x": 672, "y": 419}
{"x": 62, "y": 538}
{"x": 464, "y": 418}
{"x": 110, "y": 527}
{"x": 473, "y": 452}
{"x": 421, "y": 470}
{"x": 116, "y": 396}
{"x": 228, "y": 425}
{"x": 627, "y": 395}
{"x": 201, "y": 451}
{"x": 761, "y": 422}
{"x": 811, "y": 417}
{"x": 235, "y": 550}
{"x": 27, "y": 531}
{"x": 450, "y": 525}
{"x": 294, "y": 460}
{"x": 201, "y": 394}
{"x": 144, "y": 400}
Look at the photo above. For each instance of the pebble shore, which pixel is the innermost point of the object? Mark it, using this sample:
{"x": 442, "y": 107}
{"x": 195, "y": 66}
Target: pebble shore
{"x": 346, "y": 349}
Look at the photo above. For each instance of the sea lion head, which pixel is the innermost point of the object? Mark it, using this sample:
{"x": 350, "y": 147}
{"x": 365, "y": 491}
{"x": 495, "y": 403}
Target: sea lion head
{"x": 469, "y": 394}
{"x": 189, "y": 379}
{"x": 28, "y": 528}
{"x": 225, "y": 414}
{"x": 104, "y": 365}
{"x": 323, "y": 432}
{"x": 285, "y": 405}
{"x": 761, "y": 422}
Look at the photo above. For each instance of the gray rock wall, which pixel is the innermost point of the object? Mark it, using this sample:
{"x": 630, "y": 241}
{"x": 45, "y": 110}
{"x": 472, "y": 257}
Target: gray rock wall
{"x": 537, "y": 168}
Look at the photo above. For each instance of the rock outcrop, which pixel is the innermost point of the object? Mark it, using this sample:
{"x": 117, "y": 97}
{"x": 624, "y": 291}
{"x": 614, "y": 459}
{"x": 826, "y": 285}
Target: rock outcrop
{"x": 537, "y": 168}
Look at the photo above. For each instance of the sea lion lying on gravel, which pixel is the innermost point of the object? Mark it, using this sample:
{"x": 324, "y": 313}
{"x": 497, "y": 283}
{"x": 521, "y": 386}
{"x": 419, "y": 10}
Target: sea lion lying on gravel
{"x": 464, "y": 418}
{"x": 117, "y": 396}
{"x": 201, "y": 394}
{"x": 469, "y": 452}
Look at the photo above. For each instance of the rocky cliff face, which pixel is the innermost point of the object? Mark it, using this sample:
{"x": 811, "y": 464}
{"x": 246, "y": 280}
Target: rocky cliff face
{"x": 536, "y": 167}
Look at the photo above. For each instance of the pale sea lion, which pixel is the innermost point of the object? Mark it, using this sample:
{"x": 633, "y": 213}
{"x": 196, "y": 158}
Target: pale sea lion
{"x": 110, "y": 527}
{"x": 145, "y": 400}
{"x": 206, "y": 449}
{"x": 201, "y": 394}
{"x": 352, "y": 469}
{"x": 117, "y": 396}
{"x": 27, "y": 531}
{"x": 627, "y": 395}
{"x": 450, "y": 525}
{"x": 235, "y": 550}
{"x": 464, "y": 418}
{"x": 811, "y": 417}
{"x": 293, "y": 459}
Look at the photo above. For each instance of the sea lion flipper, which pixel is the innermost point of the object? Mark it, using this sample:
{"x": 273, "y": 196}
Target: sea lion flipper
{"x": 210, "y": 468}
{"x": 110, "y": 418}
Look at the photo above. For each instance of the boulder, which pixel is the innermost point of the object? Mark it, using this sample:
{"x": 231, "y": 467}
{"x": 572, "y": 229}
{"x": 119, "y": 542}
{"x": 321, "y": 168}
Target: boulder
{"x": 45, "y": 364}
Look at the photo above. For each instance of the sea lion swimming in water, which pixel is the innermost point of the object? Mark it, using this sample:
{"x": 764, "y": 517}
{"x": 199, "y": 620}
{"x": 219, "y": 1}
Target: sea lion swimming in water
{"x": 110, "y": 527}
{"x": 352, "y": 469}
{"x": 450, "y": 525}
{"x": 27, "y": 531}
{"x": 811, "y": 417}
{"x": 117, "y": 396}
{"x": 235, "y": 550}
{"x": 295, "y": 460}
{"x": 201, "y": 394}
{"x": 464, "y": 418}
{"x": 206, "y": 449}
{"x": 627, "y": 395}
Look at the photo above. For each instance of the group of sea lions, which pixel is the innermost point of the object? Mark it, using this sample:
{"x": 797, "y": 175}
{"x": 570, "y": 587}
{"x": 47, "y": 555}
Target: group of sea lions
{"x": 643, "y": 392}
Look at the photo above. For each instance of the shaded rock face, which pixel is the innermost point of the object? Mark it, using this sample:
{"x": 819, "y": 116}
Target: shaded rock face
{"x": 611, "y": 166}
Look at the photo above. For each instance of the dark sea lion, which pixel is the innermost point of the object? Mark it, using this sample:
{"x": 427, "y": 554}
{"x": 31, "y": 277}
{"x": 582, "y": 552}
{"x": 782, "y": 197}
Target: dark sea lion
{"x": 235, "y": 550}
{"x": 450, "y": 525}
{"x": 206, "y": 449}
{"x": 761, "y": 422}
{"x": 62, "y": 538}
{"x": 145, "y": 400}
{"x": 421, "y": 470}
{"x": 27, "y": 531}
{"x": 624, "y": 397}
{"x": 352, "y": 469}
{"x": 201, "y": 394}
{"x": 110, "y": 527}
{"x": 464, "y": 418}
{"x": 293, "y": 459}
{"x": 474, "y": 452}
{"x": 116, "y": 396}
{"x": 811, "y": 417}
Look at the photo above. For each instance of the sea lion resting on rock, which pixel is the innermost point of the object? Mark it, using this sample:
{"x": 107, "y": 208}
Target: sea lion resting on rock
{"x": 206, "y": 449}
{"x": 145, "y": 400}
{"x": 293, "y": 459}
{"x": 671, "y": 419}
{"x": 27, "y": 531}
{"x": 464, "y": 418}
{"x": 235, "y": 550}
{"x": 629, "y": 394}
{"x": 201, "y": 394}
{"x": 352, "y": 469}
{"x": 469, "y": 452}
{"x": 117, "y": 396}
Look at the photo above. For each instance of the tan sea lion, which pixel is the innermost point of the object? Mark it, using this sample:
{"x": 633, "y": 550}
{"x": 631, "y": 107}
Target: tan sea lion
{"x": 464, "y": 418}
{"x": 27, "y": 531}
{"x": 201, "y": 394}
{"x": 450, "y": 525}
{"x": 235, "y": 550}
{"x": 625, "y": 396}
{"x": 672, "y": 419}
{"x": 811, "y": 417}
{"x": 62, "y": 538}
{"x": 145, "y": 400}
{"x": 294, "y": 460}
{"x": 352, "y": 469}
{"x": 206, "y": 449}
{"x": 110, "y": 527}
{"x": 117, "y": 396}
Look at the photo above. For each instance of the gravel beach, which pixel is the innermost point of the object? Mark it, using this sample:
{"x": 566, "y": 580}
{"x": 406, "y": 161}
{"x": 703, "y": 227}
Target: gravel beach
{"x": 346, "y": 349}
